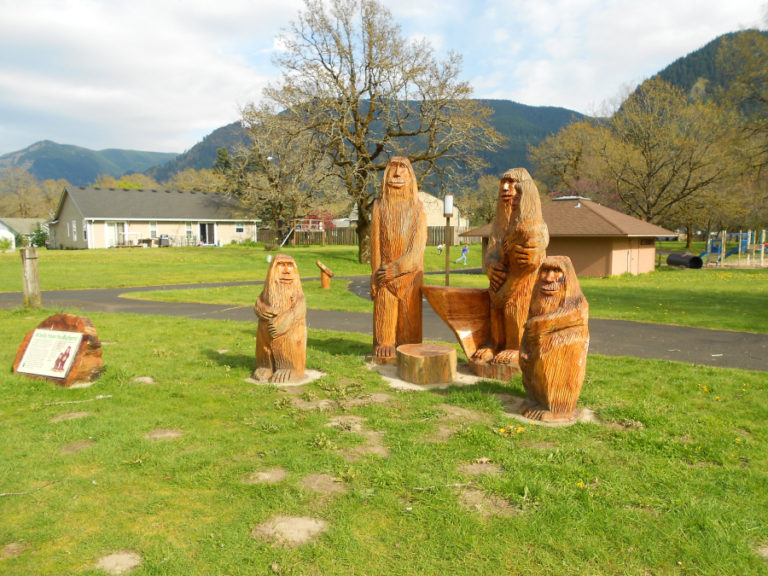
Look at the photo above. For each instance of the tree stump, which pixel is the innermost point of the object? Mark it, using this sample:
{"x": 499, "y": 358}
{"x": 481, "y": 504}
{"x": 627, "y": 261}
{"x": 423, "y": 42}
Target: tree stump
{"x": 426, "y": 363}
{"x": 325, "y": 275}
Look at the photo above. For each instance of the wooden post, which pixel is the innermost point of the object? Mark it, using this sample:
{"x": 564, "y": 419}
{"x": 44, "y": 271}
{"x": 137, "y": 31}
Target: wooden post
{"x": 448, "y": 250}
{"x": 325, "y": 275}
{"x": 32, "y": 298}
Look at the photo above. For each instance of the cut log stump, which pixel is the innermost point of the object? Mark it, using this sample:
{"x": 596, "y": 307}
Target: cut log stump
{"x": 426, "y": 363}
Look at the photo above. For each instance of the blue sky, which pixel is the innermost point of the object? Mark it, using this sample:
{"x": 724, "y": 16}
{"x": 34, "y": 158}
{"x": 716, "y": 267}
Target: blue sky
{"x": 161, "y": 74}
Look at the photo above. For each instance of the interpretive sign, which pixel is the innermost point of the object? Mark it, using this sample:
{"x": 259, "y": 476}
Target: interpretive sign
{"x": 50, "y": 353}
{"x": 64, "y": 349}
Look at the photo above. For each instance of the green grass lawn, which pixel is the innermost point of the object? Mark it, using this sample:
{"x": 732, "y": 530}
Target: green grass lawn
{"x": 725, "y": 298}
{"x": 673, "y": 480}
{"x": 115, "y": 268}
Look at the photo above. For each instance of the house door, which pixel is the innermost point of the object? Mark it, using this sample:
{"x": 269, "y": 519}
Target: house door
{"x": 207, "y": 233}
{"x": 115, "y": 234}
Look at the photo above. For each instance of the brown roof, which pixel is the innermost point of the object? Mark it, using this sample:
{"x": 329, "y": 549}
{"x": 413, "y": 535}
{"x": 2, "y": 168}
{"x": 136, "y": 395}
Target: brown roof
{"x": 575, "y": 216}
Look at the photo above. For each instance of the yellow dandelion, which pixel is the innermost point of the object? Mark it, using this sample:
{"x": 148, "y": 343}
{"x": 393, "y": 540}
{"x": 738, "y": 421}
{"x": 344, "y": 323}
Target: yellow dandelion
{"x": 580, "y": 484}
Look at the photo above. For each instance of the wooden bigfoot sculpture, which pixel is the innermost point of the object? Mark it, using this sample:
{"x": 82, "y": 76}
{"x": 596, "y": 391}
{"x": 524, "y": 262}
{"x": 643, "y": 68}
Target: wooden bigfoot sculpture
{"x": 281, "y": 342}
{"x": 516, "y": 248}
{"x": 553, "y": 355}
{"x": 398, "y": 239}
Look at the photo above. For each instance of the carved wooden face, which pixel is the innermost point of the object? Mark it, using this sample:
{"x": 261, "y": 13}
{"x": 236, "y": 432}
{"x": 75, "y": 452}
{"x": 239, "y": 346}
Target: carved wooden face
{"x": 551, "y": 287}
{"x": 398, "y": 178}
{"x": 509, "y": 193}
{"x": 286, "y": 271}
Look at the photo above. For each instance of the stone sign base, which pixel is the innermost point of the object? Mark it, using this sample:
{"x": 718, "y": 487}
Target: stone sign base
{"x": 81, "y": 365}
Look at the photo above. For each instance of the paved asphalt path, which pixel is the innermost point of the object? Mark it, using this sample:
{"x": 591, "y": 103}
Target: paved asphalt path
{"x": 607, "y": 337}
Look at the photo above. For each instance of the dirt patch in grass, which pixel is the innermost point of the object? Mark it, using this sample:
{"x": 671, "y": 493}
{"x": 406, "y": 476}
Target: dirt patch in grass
{"x": 163, "y": 434}
{"x": 290, "y": 530}
{"x": 375, "y": 398}
{"x": 322, "y": 405}
{"x": 464, "y": 414}
{"x": 323, "y": 484}
{"x": 69, "y": 416}
{"x": 76, "y": 447}
{"x": 143, "y": 380}
{"x": 480, "y": 468}
{"x": 373, "y": 445}
{"x": 763, "y": 551}
{"x": 442, "y": 433}
{"x": 12, "y": 550}
{"x": 119, "y": 562}
{"x": 347, "y": 423}
{"x": 271, "y": 476}
{"x": 486, "y": 505}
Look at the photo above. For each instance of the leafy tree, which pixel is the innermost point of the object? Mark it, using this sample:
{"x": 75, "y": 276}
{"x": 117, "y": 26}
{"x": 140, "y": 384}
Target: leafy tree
{"x": 191, "y": 179}
{"x": 662, "y": 149}
{"x": 747, "y": 89}
{"x": 51, "y": 193}
{"x": 127, "y": 182}
{"x": 272, "y": 174}
{"x": 363, "y": 93}
{"x": 480, "y": 204}
{"x": 20, "y": 194}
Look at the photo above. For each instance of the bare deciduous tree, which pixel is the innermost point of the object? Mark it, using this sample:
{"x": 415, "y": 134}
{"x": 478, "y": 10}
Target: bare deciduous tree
{"x": 363, "y": 93}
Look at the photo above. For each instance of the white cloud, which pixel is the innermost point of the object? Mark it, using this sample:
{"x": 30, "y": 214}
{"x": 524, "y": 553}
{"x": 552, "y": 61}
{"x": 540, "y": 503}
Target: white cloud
{"x": 161, "y": 74}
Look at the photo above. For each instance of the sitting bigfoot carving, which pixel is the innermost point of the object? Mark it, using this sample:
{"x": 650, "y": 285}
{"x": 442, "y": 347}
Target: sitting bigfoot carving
{"x": 516, "y": 247}
{"x": 398, "y": 239}
{"x": 281, "y": 341}
{"x": 553, "y": 355}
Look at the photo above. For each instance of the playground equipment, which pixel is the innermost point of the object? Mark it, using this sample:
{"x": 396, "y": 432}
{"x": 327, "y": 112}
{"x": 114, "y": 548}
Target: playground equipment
{"x": 746, "y": 245}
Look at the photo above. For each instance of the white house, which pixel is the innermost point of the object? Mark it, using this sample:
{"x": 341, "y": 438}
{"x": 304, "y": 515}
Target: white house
{"x": 108, "y": 217}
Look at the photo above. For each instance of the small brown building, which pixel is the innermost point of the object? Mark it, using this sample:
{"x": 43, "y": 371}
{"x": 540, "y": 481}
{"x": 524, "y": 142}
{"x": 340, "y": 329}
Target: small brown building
{"x": 600, "y": 241}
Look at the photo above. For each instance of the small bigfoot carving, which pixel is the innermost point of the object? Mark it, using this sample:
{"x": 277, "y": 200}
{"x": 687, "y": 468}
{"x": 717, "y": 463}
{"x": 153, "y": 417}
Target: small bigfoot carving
{"x": 516, "y": 248}
{"x": 553, "y": 355}
{"x": 398, "y": 239}
{"x": 281, "y": 342}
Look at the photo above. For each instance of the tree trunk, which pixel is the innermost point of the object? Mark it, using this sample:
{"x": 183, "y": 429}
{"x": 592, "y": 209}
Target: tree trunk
{"x": 689, "y": 236}
{"x": 363, "y": 235}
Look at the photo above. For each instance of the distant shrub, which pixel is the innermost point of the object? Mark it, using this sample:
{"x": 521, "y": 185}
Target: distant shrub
{"x": 5, "y": 243}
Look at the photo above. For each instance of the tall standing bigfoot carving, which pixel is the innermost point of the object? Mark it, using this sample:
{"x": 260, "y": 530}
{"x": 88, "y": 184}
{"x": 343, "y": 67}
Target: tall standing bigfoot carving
{"x": 516, "y": 248}
{"x": 281, "y": 341}
{"x": 398, "y": 239}
{"x": 553, "y": 355}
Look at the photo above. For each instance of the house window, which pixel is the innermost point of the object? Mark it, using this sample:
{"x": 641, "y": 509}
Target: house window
{"x": 240, "y": 227}
{"x": 189, "y": 229}
{"x": 69, "y": 233}
{"x": 74, "y": 230}
{"x": 153, "y": 229}
{"x": 85, "y": 231}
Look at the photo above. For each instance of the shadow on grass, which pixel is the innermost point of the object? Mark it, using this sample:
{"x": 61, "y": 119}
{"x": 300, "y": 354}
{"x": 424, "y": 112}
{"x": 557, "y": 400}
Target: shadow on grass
{"x": 339, "y": 346}
{"x": 247, "y": 361}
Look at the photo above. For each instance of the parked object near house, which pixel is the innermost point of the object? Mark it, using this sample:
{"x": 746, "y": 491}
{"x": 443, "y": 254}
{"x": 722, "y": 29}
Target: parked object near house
{"x": 599, "y": 241}
{"x": 10, "y": 228}
{"x": 110, "y": 217}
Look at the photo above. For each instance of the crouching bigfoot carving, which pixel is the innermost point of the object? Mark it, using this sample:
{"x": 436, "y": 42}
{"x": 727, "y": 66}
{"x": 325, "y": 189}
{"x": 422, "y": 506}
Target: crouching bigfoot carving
{"x": 398, "y": 239}
{"x": 516, "y": 248}
{"x": 553, "y": 354}
{"x": 281, "y": 341}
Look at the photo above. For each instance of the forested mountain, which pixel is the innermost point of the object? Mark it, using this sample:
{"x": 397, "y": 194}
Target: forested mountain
{"x": 699, "y": 68}
{"x": 80, "y": 166}
{"x": 521, "y": 125}
{"x": 203, "y": 154}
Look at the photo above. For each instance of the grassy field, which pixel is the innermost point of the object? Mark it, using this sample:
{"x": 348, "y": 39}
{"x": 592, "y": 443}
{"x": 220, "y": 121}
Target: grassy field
{"x": 672, "y": 479}
{"x": 727, "y": 299}
{"x": 78, "y": 269}
{"x": 718, "y": 299}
